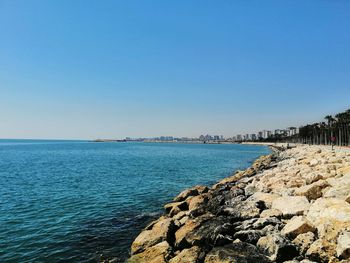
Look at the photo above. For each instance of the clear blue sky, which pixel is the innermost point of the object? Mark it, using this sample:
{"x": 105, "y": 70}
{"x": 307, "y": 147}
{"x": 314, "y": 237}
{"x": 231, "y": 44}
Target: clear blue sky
{"x": 106, "y": 69}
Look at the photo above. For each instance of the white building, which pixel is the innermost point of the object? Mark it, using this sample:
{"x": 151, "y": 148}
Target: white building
{"x": 266, "y": 134}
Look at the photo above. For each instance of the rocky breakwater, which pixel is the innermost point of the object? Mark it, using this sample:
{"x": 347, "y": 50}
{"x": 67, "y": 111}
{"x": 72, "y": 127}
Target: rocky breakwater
{"x": 290, "y": 206}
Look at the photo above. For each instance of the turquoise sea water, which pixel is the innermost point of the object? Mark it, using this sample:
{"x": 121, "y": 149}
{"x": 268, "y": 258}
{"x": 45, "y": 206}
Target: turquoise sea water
{"x": 71, "y": 201}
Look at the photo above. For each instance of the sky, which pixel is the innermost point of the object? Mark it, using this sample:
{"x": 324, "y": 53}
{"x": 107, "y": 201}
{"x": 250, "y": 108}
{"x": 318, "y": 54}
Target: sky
{"x": 110, "y": 69}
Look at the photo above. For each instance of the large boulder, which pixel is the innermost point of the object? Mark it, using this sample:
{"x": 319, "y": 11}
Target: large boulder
{"x": 291, "y": 205}
{"x": 263, "y": 222}
{"x": 241, "y": 210}
{"x": 197, "y": 201}
{"x": 296, "y": 226}
{"x": 235, "y": 252}
{"x": 184, "y": 235}
{"x": 343, "y": 245}
{"x": 313, "y": 177}
{"x": 175, "y": 207}
{"x": 304, "y": 241}
{"x": 196, "y": 190}
{"x": 232, "y": 179}
{"x": 188, "y": 255}
{"x": 277, "y": 247}
{"x": 250, "y": 236}
{"x": 340, "y": 191}
{"x": 208, "y": 233}
{"x": 313, "y": 162}
{"x": 330, "y": 216}
{"x": 162, "y": 230}
{"x": 267, "y": 198}
{"x": 312, "y": 191}
{"x": 321, "y": 251}
{"x": 154, "y": 254}
{"x": 271, "y": 213}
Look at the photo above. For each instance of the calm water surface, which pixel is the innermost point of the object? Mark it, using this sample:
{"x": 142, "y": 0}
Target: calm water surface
{"x": 72, "y": 201}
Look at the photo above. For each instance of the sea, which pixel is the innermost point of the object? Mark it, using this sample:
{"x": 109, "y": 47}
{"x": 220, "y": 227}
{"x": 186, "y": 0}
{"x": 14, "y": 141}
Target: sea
{"x": 81, "y": 201}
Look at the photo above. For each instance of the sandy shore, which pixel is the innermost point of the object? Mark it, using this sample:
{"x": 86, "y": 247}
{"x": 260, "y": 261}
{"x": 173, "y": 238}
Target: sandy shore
{"x": 291, "y": 206}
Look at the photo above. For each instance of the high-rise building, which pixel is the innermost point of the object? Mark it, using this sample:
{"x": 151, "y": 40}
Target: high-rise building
{"x": 253, "y": 137}
{"x": 266, "y": 134}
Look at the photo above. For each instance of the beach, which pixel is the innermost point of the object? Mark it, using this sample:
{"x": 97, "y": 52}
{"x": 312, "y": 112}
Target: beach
{"x": 290, "y": 206}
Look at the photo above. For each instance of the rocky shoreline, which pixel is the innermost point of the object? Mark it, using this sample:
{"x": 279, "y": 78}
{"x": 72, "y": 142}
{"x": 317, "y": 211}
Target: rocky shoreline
{"x": 290, "y": 206}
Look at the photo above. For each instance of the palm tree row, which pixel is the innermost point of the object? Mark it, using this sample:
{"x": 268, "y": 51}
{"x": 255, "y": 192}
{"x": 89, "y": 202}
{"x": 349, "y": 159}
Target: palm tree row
{"x": 334, "y": 130}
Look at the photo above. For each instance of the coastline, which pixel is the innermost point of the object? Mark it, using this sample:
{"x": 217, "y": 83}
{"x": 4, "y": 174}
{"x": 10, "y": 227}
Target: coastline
{"x": 289, "y": 206}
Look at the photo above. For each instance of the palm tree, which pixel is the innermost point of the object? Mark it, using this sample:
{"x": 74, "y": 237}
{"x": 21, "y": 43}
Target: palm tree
{"x": 330, "y": 121}
{"x": 320, "y": 133}
{"x": 347, "y": 112}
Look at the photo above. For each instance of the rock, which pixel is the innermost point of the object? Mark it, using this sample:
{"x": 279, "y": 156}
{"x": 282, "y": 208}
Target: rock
{"x": 330, "y": 216}
{"x": 304, "y": 241}
{"x": 236, "y": 252}
{"x": 232, "y": 179}
{"x": 291, "y": 205}
{"x": 262, "y": 222}
{"x": 233, "y": 194}
{"x": 249, "y": 236}
{"x": 183, "y": 236}
{"x": 340, "y": 191}
{"x": 162, "y": 230}
{"x": 155, "y": 254}
{"x": 345, "y": 170}
{"x": 343, "y": 245}
{"x": 180, "y": 205}
{"x": 241, "y": 210}
{"x": 347, "y": 199}
{"x": 184, "y": 220}
{"x": 196, "y": 190}
{"x": 329, "y": 208}
{"x": 209, "y": 233}
{"x": 312, "y": 191}
{"x": 214, "y": 203}
{"x": 271, "y": 229}
{"x": 307, "y": 189}
{"x": 339, "y": 181}
{"x": 271, "y": 213}
{"x": 258, "y": 224}
{"x": 182, "y": 232}
{"x": 320, "y": 251}
{"x": 249, "y": 190}
{"x": 312, "y": 177}
{"x": 174, "y": 211}
{"x": 188, "y": 255}
{"x": 196, "y": 201}
{"x": 250, "y": 172}
{"x": 244, "y": 225}
{"x": 313, "y": 163}
{"x": 221, "y": 240}
{"x": 277, "y": 247}
{"x": 267, "y": 198}
{"x": 180, "y": 215}
{"x": 296, "y": 226}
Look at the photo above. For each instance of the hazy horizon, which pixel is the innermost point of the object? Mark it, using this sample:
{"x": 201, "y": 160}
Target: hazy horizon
{"x": 88, "y": 70}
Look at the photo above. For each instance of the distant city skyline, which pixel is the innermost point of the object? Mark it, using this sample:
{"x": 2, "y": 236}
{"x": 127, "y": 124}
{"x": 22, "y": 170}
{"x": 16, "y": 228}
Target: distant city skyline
{"x": 116, "y": 69}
